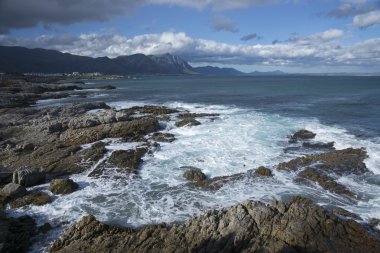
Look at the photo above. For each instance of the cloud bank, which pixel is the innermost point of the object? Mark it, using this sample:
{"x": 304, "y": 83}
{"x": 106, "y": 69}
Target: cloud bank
{"x": 319, "y": 49}
{"x": 30, "y": 13}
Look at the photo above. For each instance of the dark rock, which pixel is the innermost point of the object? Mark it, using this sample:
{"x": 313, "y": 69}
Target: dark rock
{"x": 262, "y": 171}
{"x": 301, "y": 201}
{"x": 162, "y": 137}
{"x": 196, "y": 115}
{"x": 15, "y": 234}
{"x": 34, "y": 198}
{"x": 302, "y": 135}
{"x": 45, "y": 228}
{"x": 5, "y": 177}
{"x": 341, "y": 162}
{"x": 318, "y": 145}
{"x": 95, "y": 152}
{"x": 249, "y": 227}
{"x": 345, "y": 213}
{"x": 157, "y": 110}
{"x": 63, "y": 186}
{"x": 187, "y": 122}
{"x": 13, "y": 190}
{"x": 325, "y": 181}
{"x": 28, "y": 176}
{"x": 126, "y": 160}
{"x": 56, "y": 127}
{"x": 373, "y": 222}
{"x": 193, "y": 174}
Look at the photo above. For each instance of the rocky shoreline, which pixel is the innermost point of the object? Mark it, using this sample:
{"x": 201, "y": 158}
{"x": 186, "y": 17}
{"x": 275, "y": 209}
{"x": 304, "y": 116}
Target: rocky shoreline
{"x": 41, "y": 145}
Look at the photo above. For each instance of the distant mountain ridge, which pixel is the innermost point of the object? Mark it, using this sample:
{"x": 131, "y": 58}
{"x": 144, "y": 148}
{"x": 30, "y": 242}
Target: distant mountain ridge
{"x": 25, "y": 60}
{"x": 20, "y": 59}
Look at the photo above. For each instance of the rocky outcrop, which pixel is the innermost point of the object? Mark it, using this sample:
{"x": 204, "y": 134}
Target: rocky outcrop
{"x": 318, "y": 145}
{"x": 34, "y": 198}
{"x": 301, "y": 135}
{"x": 15, "y": 234}
{"x": 28, "y": 176}
{"x": 325, "y": 181}
{"x": 249, "y": 227}
{"x": 262, "y": 171}
{"x": 193, "y": 174}
{"x": 124, "y": 160}
{"x": 341, "y": 162}
{"x": 12, "y": 191}
{"x": 63, "y": 186}
{"x": 187, "y": 122}
{"x": 196, "y": 115}
{"x": 162, "y": 137}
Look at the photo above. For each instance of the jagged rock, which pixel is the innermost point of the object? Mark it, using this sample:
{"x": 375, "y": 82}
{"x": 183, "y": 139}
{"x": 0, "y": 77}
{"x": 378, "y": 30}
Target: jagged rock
{"x": 162, "y": 137}
{"x": 341, "y": 162}
{"x": 325, "y": 181}
{"x": 13, "y": 190}
{"x": 157, "y": 110}
{"x": 301, "y": 135}
{"x": 262, "y": 171}
{"x": 193, "y": 174}
{"x": 345, "y": 213}
{"x": 196, "y": 115}
{"x": 248, "y": 227}
{"x": 45, "y": 228}
{"x": 63, "y": 186}
{"x": 318, "y": 145}
{"x": 28, "y": 176}
{"x": 34, "y": 198}
{"x": 127, "y": 159}
{"x": 187, "y": 122}
{"x": 15, "y": 234}
{"x": 95, "y": 152}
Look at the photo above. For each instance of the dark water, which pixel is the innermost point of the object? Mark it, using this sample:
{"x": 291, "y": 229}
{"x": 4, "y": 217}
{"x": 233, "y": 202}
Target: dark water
{"x": 350, "y": 102}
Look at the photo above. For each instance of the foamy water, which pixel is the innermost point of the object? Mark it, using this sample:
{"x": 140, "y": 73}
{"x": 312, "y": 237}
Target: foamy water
{"x": 236, "y": 141}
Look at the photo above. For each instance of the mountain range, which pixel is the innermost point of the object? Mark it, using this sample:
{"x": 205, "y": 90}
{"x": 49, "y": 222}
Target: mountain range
{"x": 25, "y": 60}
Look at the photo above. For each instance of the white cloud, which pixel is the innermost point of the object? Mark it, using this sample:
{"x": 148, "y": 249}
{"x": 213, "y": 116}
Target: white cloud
{"x": 367, "y": 19}
{"x": 320, "y": 49}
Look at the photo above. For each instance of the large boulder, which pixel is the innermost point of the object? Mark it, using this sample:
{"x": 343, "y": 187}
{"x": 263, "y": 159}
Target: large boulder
{"x": 187, "y": 122}
{"x": 127, "y": 159}
{"x": 301, "y": 135}
{"x": 13, "y": 190}
{"x": 162, "y": 137}
{"x": 299, "y": 226}
{"x": 193, "y": 174}
{"x": 28, "y": 176}
{"x": 262, "y": 171}
{"x": 34, "y": 198}
{"x": 63, "y": 186}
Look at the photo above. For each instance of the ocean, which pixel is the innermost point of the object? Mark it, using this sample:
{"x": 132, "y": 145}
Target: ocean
{"x": 256, "y": 116}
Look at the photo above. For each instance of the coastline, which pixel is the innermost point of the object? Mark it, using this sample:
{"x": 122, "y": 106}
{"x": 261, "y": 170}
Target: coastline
{"x": 57, "y": 140}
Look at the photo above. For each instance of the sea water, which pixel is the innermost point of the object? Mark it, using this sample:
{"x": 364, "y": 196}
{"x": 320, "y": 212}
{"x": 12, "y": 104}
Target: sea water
{"x": 256, "y": 116}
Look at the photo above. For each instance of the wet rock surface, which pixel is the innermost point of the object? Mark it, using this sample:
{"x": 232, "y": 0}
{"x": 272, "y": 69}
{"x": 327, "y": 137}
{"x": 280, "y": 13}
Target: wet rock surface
{"x": 301, "y": 135}
{"x": 28, "y": 176}
{"x": 189, "y": 122}
{"x": 325, "y": 181}
{"x": 15, "y": 234}
{"x": 13, "y": 190}
{"x": 262, "y": 171}
{"x": 63, "y": 186}
{"x": 162, "y": 137}
{"x": 193, "y": 174}
{"x": 299, "y": 226}
{"x": 341, "y": 162}
{"x": 34, "y": 198}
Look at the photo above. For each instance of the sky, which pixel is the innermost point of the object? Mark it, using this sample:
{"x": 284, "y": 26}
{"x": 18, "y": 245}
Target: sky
{"x": 295, "y": 36}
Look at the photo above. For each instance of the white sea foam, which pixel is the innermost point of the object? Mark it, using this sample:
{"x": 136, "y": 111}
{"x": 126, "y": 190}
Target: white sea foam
{"x": 236, "y": 141}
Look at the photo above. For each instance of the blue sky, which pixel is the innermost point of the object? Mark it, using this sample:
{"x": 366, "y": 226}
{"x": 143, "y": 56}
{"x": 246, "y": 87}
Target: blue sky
{"x": 293, "y": 36}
